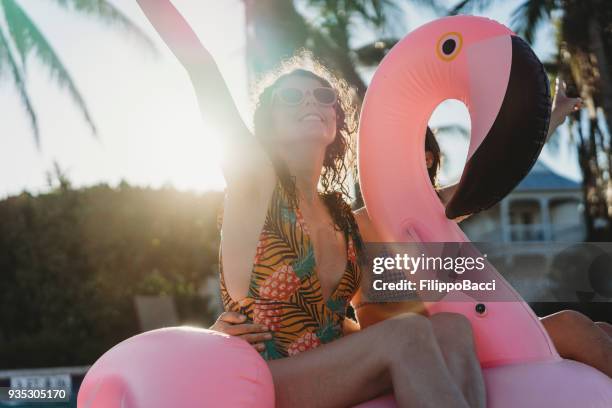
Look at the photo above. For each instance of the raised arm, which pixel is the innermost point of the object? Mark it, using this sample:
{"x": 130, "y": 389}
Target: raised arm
{"x": 215, "y": 101}
{"x": 562, "y": 106}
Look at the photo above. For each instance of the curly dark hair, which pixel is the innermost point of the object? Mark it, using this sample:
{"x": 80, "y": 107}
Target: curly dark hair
{"x": 338, "y": 162}
{"x": 431, "y": 145}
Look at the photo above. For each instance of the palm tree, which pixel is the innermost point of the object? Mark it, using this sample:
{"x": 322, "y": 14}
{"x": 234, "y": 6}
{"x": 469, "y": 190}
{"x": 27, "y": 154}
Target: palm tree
{"x": 277, "y": 28}
{"x": 584, "y": 44}
{"x": 20, "y": 37}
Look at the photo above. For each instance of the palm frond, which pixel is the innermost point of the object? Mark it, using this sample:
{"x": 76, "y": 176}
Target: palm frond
{"x": 29, "y": 39}
{"x": 433, "y": 5}
{"x": 6, "y": 57}
{"x": 336, "y": 56}
{"x": 370, "y": 55}
{"x": 393, "y": 18}
{"x": 105, "y": 12}
{"x": 371, "y": 12}
{"x": 383, "y": 15}
{"x": 469, "y": 6}
{"x": 528, "y": 16}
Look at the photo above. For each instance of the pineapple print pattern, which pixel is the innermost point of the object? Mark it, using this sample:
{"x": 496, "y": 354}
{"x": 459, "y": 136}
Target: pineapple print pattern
{"x": 281, "y": 284}
{"x": 305, "y": 342}
{"x": 285, "y": 293}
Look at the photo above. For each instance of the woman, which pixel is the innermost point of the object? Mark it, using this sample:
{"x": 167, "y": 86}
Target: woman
{"x": 289, "y": 252}
{"x": 575, "y": 336}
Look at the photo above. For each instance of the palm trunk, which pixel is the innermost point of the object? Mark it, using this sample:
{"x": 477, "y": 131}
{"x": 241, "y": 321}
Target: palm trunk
{"x": 605, "y": 91}
{"x": 603, "y": 69}
{"x": 587, "y": 185}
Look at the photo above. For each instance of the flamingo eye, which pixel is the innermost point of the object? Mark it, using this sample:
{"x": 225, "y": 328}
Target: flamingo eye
{"x": 449, "y": 46}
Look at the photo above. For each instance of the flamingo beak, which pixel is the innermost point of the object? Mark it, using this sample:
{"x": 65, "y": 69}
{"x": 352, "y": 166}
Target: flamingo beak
{"x": 506, "y": 141}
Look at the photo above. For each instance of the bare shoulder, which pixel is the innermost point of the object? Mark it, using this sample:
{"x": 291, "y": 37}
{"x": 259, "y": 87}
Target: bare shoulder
{"x": 247, "y": 167}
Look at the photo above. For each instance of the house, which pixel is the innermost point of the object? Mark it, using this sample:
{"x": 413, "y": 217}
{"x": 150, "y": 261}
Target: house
{"x": 534, "y": 237}
{"x": 544, "y": 207}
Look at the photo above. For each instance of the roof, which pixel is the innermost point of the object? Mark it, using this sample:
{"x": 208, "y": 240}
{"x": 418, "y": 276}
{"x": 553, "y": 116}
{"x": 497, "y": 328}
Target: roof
{"x": 541, "y": 177}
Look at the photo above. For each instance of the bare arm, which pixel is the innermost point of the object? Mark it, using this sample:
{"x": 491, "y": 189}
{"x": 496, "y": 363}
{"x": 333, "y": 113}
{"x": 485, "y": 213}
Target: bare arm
{"x": 562, "y": 106}
{"x": 214, "y": 98}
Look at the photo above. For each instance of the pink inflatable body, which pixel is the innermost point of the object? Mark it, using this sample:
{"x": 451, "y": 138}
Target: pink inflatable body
{"x": 484, "y": 65}
{"x": 178, "y": 367}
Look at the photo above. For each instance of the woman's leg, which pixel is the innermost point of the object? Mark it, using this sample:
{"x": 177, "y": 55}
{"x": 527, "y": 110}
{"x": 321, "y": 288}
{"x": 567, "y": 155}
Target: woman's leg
{"x": 456, "y": 340}
{"x": 576, "y": 337}
{"x": 399, "y": 355}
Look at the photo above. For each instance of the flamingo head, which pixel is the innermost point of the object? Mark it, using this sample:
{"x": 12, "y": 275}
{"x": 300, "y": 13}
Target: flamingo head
{"x": 480, "y": 63}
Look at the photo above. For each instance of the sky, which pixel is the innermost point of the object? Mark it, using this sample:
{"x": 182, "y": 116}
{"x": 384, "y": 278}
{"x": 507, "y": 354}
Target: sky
{"x": 150, "y": 129}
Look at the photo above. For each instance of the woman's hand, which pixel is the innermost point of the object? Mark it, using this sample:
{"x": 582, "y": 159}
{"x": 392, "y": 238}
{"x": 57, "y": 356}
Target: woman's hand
{"x": 562, "y": 106}
{"x": 233, "y": 323}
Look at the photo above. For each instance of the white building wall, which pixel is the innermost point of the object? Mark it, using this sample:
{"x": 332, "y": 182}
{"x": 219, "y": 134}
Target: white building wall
{"x": 559, "y": 208}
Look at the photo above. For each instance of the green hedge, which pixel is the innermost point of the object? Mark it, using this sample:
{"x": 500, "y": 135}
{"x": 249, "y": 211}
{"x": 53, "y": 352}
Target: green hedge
{"x": 72, "y": 260}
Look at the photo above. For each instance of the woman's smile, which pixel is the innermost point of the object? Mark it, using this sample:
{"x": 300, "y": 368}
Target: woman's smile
{"x": 312, "y": 117}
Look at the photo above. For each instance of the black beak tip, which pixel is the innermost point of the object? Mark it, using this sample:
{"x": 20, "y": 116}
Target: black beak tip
{"x": 452, "y": 211}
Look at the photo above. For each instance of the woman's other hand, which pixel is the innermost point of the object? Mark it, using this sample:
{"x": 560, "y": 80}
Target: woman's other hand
{"x": 562, "y": 106}
{"x": 234, "y": 324}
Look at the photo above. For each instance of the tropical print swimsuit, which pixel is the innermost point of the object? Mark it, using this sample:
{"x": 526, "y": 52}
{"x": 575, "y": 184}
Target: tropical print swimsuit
{"x": 285, "y": 292}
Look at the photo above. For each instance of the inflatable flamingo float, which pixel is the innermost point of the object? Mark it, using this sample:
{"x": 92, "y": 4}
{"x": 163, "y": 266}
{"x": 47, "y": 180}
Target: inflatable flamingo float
{"x": 484, "y": 65}
{"x": 498, "y": 77}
